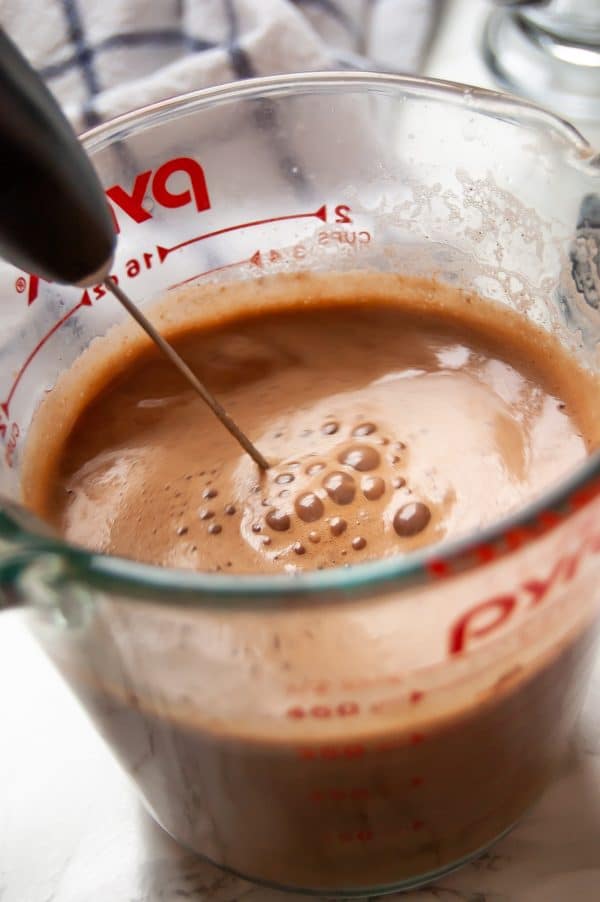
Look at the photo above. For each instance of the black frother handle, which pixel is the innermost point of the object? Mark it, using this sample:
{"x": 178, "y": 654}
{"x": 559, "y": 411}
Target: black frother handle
{"x": 54, "y": 217}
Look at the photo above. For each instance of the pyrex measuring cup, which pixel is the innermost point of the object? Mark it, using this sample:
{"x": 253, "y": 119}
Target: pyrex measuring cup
{"x": 352, "y": 731}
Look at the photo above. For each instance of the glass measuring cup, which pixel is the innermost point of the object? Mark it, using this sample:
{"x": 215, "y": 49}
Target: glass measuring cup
{"x": 358, "y": 730}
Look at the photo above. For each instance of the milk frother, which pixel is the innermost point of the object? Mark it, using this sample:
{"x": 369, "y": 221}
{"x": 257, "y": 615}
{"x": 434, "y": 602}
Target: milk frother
{"x": 54, "y": 218}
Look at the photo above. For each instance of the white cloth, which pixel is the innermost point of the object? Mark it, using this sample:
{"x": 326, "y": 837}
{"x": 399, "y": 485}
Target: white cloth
{"x": 105, "y": 57}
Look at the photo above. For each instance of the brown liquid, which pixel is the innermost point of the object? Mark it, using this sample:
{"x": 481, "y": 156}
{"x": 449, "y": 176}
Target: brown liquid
{"x": 360, "y": 811}
{"x": 397, "y": 413}
{"x": 411, "y": 427}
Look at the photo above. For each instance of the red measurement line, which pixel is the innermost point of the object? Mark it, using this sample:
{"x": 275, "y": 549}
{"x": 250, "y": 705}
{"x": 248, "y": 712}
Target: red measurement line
{"x": 163, "y": 252}
{"x": 84, "y": 302}
{"x": 255, "y": 258}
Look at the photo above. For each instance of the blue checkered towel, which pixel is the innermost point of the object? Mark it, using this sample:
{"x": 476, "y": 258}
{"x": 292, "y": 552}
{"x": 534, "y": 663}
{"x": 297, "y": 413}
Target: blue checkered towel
{"x": 104, "y": 57}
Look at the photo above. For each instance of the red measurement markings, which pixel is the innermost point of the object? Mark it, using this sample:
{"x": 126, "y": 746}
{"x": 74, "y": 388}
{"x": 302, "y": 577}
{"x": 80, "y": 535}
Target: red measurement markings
{"x": 438, "y": 569}
{"x": 342, "y": 236}
{"x": 584, "y": 495}
{"x": 331, "y": 752}
{"x": 133, "y": 267}
{"x": 84, "y": 302}
{"x": 549, "y": 519}
{"x": 255, "y": 259}
{"x": 345, "y": 709}
{"x": 324, "y": 687}
{"x": 383, "y": 705}
{"x": 163, "y": 252}
{"x": 486, "y": 553}
{"x": 516, "y": 537}
{"x": 356, "y": 836}
{"x": 131, "y": 203}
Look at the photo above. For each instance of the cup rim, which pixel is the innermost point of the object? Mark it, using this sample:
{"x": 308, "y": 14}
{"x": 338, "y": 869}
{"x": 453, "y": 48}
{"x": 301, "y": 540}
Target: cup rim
{"x": 482, "y": 100}
{"x": 501, "y": 538}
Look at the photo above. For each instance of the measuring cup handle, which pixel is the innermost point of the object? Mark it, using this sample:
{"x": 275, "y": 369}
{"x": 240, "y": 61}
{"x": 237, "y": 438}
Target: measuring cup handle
{"x": 10, "y": 566}
{"x": 23, "y": 539}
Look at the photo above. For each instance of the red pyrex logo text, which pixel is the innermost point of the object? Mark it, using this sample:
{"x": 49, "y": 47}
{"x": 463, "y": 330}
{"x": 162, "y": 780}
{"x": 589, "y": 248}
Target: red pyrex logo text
{"x": 131, "y": 201}
{"x": 488, "y": 616}
{"x": 156, "y": 184}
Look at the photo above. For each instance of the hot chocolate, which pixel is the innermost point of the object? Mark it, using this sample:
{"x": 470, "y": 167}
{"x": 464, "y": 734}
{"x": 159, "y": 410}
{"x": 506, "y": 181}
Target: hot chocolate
{"x": 290, "y": 745}
{"x": 388, "y": 428}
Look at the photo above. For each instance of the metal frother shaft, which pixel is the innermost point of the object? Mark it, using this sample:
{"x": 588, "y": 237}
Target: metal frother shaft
{"x": 170, "y": 352}
{"x": 54, "y": 217}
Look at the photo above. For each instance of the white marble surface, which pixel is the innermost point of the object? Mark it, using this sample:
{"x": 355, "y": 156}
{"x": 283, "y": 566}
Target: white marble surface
{"x": 72, "y": 830}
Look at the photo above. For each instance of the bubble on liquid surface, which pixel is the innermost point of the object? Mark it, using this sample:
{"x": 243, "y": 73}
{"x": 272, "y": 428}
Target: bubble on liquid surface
{"x": 340, "y": 487}
{"x": 411, "y": 519}
{"x": 278, "y": 520}
{"x": 337, "y": 526}
{"x": 283, "y": 478}
{"x": 309, "y": 507}
{"x": 330, "y": 427}
{"x": 360, "y": 457}
{"x": 372, "y": 487}
{"x": 364, "y": 429}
